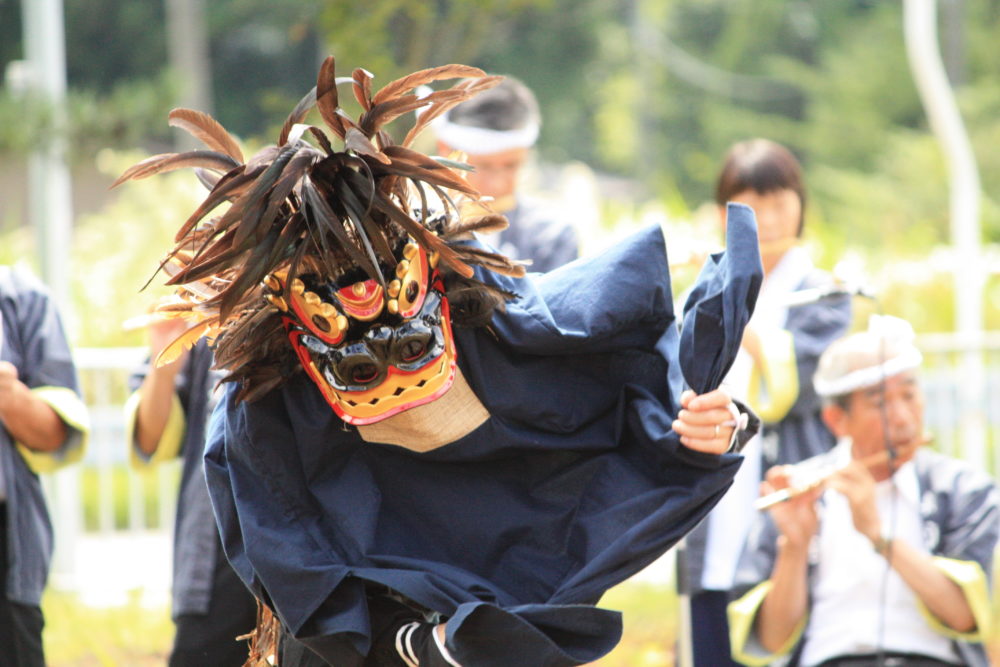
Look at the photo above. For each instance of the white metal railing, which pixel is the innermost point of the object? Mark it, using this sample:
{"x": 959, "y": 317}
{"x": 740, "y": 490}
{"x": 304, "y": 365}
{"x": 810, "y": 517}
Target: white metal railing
{"x": 951, "y": 404}
{"x": 107, "y": 543}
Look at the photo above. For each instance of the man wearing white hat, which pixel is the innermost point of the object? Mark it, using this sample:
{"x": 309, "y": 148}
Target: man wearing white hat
{"x": 497, "y": 130}
{"x": 884, "y": 561}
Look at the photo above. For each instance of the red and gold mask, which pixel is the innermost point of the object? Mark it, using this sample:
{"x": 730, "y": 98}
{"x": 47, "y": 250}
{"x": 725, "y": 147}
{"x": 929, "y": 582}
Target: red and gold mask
{"x": 372, "y": 351}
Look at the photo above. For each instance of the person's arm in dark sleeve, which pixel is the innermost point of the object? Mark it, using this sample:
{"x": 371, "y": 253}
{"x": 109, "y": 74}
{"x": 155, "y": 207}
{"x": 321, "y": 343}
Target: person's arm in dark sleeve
{"x": 39, "y": 402}
{"x": 29, "y": 419}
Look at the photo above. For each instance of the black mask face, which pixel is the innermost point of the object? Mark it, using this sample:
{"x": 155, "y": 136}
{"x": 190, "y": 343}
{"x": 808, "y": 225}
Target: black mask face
{"x": 370, "y": 356}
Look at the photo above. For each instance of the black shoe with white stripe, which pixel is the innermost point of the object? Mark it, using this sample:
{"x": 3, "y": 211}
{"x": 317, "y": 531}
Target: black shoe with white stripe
{"x": 401, "y": 637}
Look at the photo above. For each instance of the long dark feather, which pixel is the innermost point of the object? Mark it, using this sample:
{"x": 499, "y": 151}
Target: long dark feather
{"x": 165, "y": 162}
{"x": 422, "y": 235}
{"x": 207, "y": 178}
{"x": 260, "y": 160}
{"x": 255, "y": 201}
{"x": 484, "y": 224}
{"x": 356, "y": 192}
{"x": 356, "y": 141}
{"x": 425, "y": 76}
{"x": 206, "y": 129}
{"x": 284, "y": 247}
{"x": 430, "y": 171}
{"x": 386, "y": 112}
{"x": 327, "y": 99}
{"x": 229, "y": 186}
{"x": 254, "y": 268}
{"x": 493, "y": 261}
{"x": 326, "y": 220}
{"x": 362, "y": 235}
{"x": 321, "y": 137}
{"x": 298, "y": 114}
{"x": 444, "y": 103}
{"x": 363, "y": 87}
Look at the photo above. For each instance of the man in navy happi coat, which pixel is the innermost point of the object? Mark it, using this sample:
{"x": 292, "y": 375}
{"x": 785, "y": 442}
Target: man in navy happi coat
{"x": 574, "y": 482}
{"x": 424, "y": 457}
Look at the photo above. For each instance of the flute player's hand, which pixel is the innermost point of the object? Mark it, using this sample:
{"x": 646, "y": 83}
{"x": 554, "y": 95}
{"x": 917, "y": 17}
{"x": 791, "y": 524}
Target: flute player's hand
{"x": 856, "y": 483}
{"x": 795, "y": 518}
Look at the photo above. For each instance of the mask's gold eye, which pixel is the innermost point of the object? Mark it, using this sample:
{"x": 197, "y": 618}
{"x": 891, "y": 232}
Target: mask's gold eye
{"x": 413, "y": 274}
{"x": 321, "y": 318}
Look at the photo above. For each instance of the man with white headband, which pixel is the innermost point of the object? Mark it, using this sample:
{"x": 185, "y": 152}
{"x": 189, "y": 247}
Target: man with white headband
{"x": 497, "y": 130}
{"x": 884, "y": 561}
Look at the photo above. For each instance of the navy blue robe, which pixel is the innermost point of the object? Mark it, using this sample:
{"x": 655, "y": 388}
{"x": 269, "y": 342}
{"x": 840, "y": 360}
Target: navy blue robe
{"x": 514, "y": 531}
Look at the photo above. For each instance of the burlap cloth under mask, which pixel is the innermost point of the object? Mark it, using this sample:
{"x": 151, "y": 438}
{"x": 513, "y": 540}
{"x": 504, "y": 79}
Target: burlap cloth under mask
{"x": 455, "y": 414}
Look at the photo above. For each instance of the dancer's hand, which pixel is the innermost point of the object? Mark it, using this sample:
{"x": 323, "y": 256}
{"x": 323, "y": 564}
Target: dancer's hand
{"x": 705, "y": 422}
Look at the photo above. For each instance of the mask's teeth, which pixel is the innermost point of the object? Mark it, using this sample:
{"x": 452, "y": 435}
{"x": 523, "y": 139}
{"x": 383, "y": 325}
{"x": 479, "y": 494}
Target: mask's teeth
{"x": 277, "y": 302}
{"x": 272, "y": 283}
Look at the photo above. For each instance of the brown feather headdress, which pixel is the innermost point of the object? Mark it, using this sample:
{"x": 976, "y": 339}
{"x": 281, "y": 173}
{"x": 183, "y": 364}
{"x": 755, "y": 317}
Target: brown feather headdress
{"x": 302, "y": 208}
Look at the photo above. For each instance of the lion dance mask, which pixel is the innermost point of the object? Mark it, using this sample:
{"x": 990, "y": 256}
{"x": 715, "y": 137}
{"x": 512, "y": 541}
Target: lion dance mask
{"x": 351, "y": 263}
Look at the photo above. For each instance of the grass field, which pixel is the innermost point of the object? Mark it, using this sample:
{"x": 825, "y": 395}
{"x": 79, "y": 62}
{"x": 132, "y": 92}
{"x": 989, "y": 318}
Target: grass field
{"x": 127, "y": 636}
{"x": 137, "y": 636}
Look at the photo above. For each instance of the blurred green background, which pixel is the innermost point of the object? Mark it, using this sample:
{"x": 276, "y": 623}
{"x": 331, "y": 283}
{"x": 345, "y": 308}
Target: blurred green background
{"x": 640, "y": 100}
{"x": 647, "y": 93}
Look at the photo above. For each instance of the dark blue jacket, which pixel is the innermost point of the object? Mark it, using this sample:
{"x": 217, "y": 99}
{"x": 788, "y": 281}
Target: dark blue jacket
{"x": 514, "y": 531}
{"x": 537, "y": 233}
{"x": 196, "y": 537}
{"x": 33, "y": 340}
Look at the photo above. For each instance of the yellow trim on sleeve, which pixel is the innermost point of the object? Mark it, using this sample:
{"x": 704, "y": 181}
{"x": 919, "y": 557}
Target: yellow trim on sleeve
{"x": 171, "y": 440}
{"x": 972, "y": 580}
{"x": 72, "y": 410}
{"x": 774, "y": 381}
{"x": 742, "y": 614}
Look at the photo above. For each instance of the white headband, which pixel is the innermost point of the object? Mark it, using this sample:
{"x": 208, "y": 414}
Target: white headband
{"x": 482, "y": 141}
{"x": 888, "y": 328}
{"x": 868, "y": 377}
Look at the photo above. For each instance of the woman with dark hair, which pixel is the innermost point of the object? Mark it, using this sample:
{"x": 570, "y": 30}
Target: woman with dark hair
{"x": 772, "y": 373}
{"x": 766, "y": 176}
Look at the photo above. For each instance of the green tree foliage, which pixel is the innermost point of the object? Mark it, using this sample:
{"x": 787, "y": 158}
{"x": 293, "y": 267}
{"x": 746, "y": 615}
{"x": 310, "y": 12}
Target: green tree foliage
{"x": 264, "y": 57}
{"x": 652, "y": 91}
{"x": 91, "y": 25}
{"x": 121, "y": 247}
{"x": 396, "y": 37}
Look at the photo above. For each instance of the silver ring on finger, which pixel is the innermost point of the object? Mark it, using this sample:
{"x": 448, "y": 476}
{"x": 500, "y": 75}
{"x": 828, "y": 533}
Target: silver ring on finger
{"x": 716, "y": 430}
